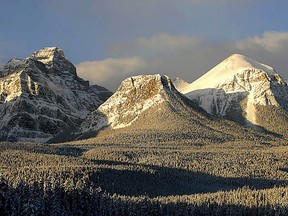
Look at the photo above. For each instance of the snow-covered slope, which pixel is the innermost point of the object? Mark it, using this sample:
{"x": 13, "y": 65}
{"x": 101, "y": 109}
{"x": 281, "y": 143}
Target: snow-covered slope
{"x": 238, "y": 88}
{"x": 41, "y": 95}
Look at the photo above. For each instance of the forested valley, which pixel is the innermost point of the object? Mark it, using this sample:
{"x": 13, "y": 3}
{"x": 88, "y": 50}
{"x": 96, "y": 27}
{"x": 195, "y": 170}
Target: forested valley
{"x": 109, "y": 175}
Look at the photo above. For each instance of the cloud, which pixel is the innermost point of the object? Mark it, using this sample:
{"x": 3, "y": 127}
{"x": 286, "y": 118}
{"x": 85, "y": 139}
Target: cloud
{"x": 270, "y": 41}
{"x": 183, "y": 56}
{"x": 109, "y": 72}
{"x": 271, "y": 48}
{"x": 176, "y": 56}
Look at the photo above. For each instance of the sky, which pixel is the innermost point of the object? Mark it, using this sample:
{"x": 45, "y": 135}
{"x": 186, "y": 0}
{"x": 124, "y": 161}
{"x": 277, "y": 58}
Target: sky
{"x": 110, "y": 40}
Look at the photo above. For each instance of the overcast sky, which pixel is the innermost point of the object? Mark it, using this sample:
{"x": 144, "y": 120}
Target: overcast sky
{"x": 110, "y": 40}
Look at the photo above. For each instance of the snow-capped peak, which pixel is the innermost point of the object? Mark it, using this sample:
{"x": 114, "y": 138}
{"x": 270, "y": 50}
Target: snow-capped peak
{"x": 240, "y": 88}
{"x": 48, "y": 54}
{"x": 54, "y": 60}
{"x": 240, "y": 61}
{"x": 225, "y": 71}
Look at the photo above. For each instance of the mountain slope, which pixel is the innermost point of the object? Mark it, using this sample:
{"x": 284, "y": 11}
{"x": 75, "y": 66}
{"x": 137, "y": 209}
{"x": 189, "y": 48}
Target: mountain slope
{"x": 242, "y": 90}
{"x": 41, "y": 95}
{"x": 149, "y": 108}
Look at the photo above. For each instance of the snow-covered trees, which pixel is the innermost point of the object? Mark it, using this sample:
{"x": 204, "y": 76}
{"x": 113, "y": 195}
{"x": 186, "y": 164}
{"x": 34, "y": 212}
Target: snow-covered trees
{"x": 106, "y": 177}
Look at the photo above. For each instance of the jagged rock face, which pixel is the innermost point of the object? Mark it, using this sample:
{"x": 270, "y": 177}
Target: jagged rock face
{"x": 237, "y": 88}
{"x": 41, "y": 96}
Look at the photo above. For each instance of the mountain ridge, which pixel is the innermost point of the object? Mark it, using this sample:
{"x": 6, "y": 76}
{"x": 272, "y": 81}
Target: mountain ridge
{"x": 150, "y": 107}
{"x": 42, "y": 98}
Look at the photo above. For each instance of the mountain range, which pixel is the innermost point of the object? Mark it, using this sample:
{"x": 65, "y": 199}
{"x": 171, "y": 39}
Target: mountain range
{"x": 41, "y": 97}
{"x": 148, "y": 108}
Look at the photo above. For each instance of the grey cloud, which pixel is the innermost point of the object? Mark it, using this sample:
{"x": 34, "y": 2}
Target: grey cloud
{"x": 270, "y": 41}
{"x": 271, "y": 48}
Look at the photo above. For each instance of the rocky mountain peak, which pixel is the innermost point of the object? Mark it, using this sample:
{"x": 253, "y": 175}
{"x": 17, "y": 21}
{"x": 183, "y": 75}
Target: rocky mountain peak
{"x": 145, "y": 86}
{"x": 54, "y": 60}
{"x": 41, "y": 96}
{"x": 48, "y": 55}
{"x": 141, "y": 89}
{"x": 135, "y": 95}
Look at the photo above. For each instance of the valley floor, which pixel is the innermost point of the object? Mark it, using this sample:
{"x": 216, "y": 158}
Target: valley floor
{"x": 100, "y": 177}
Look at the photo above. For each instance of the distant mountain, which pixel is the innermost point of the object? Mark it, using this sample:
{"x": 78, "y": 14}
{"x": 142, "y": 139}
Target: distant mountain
{"x": 151, "y": 107}
{"x": 41, "y": 96}
{"x": 245, "y": 91}
{"x": 179, "y": 83}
